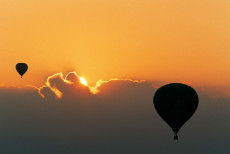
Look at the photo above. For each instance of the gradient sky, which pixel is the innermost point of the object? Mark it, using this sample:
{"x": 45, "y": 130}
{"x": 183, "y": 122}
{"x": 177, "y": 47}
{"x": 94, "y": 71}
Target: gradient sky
{"x": 134, "y": 47}
{"x": 165, "y": 40}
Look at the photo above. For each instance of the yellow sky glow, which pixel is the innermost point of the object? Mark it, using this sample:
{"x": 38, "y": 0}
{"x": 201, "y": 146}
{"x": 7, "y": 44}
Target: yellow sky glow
{"x": 166, "y": 40}
{"x": 83, "y": 81}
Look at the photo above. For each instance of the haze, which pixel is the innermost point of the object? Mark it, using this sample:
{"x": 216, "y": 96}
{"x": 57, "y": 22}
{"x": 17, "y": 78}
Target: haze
{"x": 93, "y": 69}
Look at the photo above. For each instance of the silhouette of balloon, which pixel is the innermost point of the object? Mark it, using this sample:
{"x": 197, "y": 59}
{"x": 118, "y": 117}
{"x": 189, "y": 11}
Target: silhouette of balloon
{"x": 21, "y": 68}
{"x": 175, "y": 103}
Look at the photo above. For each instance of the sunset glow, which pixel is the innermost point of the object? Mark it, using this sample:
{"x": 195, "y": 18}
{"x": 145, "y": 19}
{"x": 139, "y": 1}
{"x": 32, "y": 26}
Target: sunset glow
{"x": 168, "y": 41}
{"x": 102, "y": 76}
{"x": 83, "y": 81}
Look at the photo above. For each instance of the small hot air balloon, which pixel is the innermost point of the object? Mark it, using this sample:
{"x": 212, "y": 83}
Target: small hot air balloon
{"x": 175, "y": 103}
{"x": 21, "y": 68}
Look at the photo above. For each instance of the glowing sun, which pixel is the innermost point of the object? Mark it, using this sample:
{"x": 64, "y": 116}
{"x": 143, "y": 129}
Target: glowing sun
{"x": 83, "y": 81}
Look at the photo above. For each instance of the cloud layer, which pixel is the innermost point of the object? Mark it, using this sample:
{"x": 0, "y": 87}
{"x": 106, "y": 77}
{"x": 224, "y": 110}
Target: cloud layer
{"x": 119, "y": 118}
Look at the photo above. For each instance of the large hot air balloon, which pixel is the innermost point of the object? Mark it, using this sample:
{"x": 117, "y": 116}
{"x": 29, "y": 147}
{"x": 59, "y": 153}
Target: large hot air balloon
{"x": 21, "y": 68}
{"x": 175, "y": 103}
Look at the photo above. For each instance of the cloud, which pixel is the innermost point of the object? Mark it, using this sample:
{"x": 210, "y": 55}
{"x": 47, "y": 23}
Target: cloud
{"x": 57, "y": 85}
{"x": 119, "y": 118}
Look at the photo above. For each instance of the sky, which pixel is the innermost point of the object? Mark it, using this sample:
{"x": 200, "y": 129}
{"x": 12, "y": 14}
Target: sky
{"x": 100, "y": 39}
{"x": 125, "y": 50}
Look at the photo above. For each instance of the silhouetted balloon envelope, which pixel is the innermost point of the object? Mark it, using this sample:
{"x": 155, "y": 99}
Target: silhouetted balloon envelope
{"x": 21, "y": 68}
{"x": 175, "y": 103}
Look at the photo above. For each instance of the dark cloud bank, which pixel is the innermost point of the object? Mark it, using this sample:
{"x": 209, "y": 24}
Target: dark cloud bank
{"x": 119, "y": 119}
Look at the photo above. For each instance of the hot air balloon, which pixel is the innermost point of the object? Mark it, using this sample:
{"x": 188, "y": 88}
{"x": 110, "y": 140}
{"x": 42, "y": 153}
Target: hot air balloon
{"x": 175, "y": 103}
{"x": 21, "y": 68}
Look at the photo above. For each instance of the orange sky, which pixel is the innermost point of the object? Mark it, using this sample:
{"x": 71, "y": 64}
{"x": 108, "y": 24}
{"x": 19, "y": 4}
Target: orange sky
{"x": 161, "y": 40}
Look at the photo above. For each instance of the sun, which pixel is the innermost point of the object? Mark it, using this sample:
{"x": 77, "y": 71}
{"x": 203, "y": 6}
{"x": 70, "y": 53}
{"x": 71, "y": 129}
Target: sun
{"x": 83, "y": 81}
